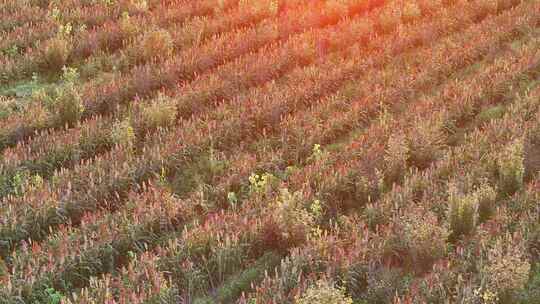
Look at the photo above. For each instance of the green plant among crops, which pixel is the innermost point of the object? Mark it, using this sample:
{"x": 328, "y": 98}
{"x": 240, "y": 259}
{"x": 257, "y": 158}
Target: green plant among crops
{"x": 462, "y": 213}
{"x": 425, "y": 240}
{"x": 156, "y": 44}
{"x": 290, "y": 221}
{"x": 243, "y": 281}
{"x": 532, "y": 291}
{"x": 5, "y": 108}
{"x": 140, "y": 5}
{"x": 53, "y": 296}
{"x": 14, "y": 184}
{"x": 395, "y": 159}
{"x": 64, "y": 103}
{"x": 58, "y": 49}
{"x": 531, "y": 153}
{"x": 256, "y": 6}
{"x": 426, "y": 140}
{"x": 122, "y": 133}
{"x": 160, "y": 113}
{"x": 373, "y": 216}
{"x": 11, "y": 51}
{"x": 20, "y": 95}
{"x": 316, "y": 153}
{"x": 3, "y": 269}
{"x": 506, "y": 270}
{"x": 108, "y": 2}
{"x": 491, "y": 114}
{"x": 324, "y": 292}
{"x": 232, "y": 199}
{"x": 510, "y": 168}
{"x": 261, "y": 182}
{"x": 198, "y": 174}
{"x": 56, "y": 54}
{"x": 128, "y": 27}
{"x": 411, "y": 11}
{"x": 486, "y": 199}
{"x": 290, "y": 210}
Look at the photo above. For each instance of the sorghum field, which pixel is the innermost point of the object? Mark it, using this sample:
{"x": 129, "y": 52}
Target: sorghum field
{"x": 270, "y": 151}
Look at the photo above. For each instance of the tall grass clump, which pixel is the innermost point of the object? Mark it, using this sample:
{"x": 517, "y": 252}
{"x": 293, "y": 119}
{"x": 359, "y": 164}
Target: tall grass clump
{"x": 505, "y": 273}
{"x": 426, "y": 141}
{"x": 159, "y": 113}
{"x": 122, "y": 133}
{"x": 64, "y": 103}
{"x": 324, "y": 292}
{"x": 395, "y": 159}
{"x": 426, "y": 240}
{"x": 58, "y": 49}
{"x": 156, "y": 44}
{"x": 486, "y": 199}
{"x": 510, "y": 168}
{"x": 531, "y": 153}
{"x": 462, "y": 213}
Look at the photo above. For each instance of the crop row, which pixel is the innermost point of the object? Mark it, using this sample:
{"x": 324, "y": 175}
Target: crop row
{"x": 136, "y": 51}
{"x": 24, "y": 38}
{"x": 138, "y": 226}
{"x": 449, "y": 108}
{"x": 370, "y": 170}
{"x": 360, "y": 250}
{"x": 143, "y": 81}
{"x": 105, "y": 96}
{"x": 76, "y": 171}
{"x": 20, "y": 150}
{"x": 307, "y": 179}
{"x": 224, "y": 73}
{"x": 114, "y": 35}
{"x": 15, "y": 15}
{"x": 23, "y": 150}
{"x": 23, "y": 15}
{"x": 69, "y": 47}
{"x": 209, "y": 89}
{"x": 100, "y": 13}
{"x": 180, "y": 268}
{"x": 334, "y": 197}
